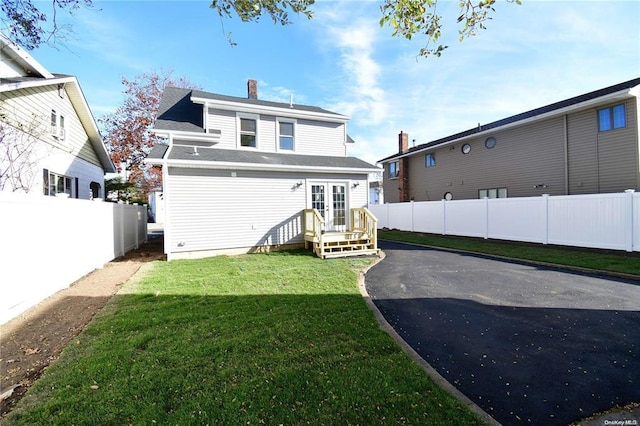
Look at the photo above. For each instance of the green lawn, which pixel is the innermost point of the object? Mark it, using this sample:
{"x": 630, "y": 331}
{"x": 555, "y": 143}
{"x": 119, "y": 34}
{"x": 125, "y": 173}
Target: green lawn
{"x": 601, "y": 260}
{"x": 281, "y": 338}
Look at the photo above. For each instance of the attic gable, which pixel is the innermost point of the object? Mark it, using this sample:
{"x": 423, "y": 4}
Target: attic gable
{"x": 16, "y": 62}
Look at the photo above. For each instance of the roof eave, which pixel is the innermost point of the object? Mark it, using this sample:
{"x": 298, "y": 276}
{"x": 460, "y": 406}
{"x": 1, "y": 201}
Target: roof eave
{"x": 81, "y": 106}
{"x": 226, "y": 165}
{"x": 266, "y": 109}
{"x": 619, "y": 95}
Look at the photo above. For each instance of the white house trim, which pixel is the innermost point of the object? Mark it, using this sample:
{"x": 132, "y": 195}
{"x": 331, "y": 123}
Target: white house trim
{"x": 612, "y": 97}
{"x": 224, "y": 165}
{"x": 270, "y": 110}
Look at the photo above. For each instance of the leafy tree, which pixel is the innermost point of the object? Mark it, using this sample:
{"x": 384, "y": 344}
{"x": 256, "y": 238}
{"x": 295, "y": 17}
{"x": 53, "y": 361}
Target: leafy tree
{"x": 116, "y": 189}
{"x": 407, "y": 18}
{"x": 128, "y": 138}
{"x": 28, "y": 26}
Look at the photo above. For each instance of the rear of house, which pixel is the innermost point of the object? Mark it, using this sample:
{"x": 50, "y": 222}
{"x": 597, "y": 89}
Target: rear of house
{"x": 238, "y": 172}
{"x": 583, "y": 145}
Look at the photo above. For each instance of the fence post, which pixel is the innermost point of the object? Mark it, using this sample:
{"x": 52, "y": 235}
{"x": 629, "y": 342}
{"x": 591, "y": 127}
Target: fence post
{"x": 630, "y": 233}
{"x": 545, "y": 237}
{"x": 413, "y": 217}
{"x": 486, "y": 218}
{"x": 444, "y": 217}
{"x": 121, "y": 218}
{"x": 387, "y": 211}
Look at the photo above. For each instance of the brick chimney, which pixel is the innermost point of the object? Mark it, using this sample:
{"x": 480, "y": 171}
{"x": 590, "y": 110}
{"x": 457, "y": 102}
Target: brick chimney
{"x": 252, "y": 89}
{"x": 403, "y": 168}
{"x": 403, "y": 142}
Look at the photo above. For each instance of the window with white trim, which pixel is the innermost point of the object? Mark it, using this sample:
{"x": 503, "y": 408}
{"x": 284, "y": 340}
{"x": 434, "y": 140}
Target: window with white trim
{"x": 57, "y": 125}
{"x": 248, "y": 130}
{"x": 286, "y": 134}
{"x": 55, "y": 184}
{"x": 614, "y": 117}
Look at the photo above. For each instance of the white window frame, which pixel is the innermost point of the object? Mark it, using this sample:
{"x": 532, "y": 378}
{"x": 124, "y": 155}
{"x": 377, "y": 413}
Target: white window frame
{"x": 53, "y": 179}
{"x": 294, "y": 136}
{"x": 57, "y": 125}
{"x": 239, "y": 117}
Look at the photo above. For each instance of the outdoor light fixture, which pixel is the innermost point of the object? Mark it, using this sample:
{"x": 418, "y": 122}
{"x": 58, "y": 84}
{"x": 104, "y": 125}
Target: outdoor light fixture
{"x": 540, "y": 185}
{"x": 355, "y": 185}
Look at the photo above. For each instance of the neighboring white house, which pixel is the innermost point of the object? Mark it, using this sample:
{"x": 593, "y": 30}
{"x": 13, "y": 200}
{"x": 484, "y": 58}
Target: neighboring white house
{"x": 238, "y": 172}
{"x": 49, "y": 140}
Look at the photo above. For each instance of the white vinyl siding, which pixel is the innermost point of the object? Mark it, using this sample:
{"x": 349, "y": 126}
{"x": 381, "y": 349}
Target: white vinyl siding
{"x": 320, "y": 138}
{"x": 311, "y": 137}
{"x": 30, "y": 106}
{"x": 225, "y": 121}
{"x": 72, "y": 156}
{"x": 215, "y": 210}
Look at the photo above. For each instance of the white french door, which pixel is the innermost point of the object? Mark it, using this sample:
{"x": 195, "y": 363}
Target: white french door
{"x": 330, "y": 199}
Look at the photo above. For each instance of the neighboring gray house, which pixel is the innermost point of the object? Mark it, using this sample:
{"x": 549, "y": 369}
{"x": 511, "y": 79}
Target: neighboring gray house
{"x": 49, "y": 139}
{"x": 238, "y": 173}
{"x": 582, "y": 145}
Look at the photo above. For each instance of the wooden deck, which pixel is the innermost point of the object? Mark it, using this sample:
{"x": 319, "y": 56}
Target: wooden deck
{"x": 360, "y": 240}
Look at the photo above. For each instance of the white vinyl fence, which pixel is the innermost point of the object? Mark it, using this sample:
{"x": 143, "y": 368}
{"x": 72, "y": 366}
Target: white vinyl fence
{"x": 47, "y": 243}
{"x": 607, "y": 221}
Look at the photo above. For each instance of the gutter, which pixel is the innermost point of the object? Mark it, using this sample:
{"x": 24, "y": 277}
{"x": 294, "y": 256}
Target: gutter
{"x": 226, "y": 165}
{"x": 622, "y": 94}
{"x": 265, "y": 109}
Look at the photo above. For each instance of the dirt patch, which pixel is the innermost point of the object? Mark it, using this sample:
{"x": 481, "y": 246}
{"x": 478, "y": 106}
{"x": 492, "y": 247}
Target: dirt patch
{"x": 31, "y": 341}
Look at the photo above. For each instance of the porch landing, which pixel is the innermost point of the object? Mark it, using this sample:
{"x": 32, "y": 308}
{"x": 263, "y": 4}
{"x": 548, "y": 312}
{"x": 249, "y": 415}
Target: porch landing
{"x": 360, "y": 240}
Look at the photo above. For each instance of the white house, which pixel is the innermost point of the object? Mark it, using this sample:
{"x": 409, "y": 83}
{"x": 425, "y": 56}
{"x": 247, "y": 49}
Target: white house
{"x": 49, "y": 140}
{"x": 242, "y": 175}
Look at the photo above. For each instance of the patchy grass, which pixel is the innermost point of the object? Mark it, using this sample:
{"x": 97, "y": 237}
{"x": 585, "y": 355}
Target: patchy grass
{"x": 602, "y": 260}
{"x": 282, "y": 338}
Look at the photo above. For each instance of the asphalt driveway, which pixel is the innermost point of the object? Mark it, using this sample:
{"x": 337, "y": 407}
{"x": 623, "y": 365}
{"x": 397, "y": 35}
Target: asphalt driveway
{"x": 528, "y": 344}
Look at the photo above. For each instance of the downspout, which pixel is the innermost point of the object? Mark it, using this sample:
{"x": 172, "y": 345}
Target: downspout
{"x": 566, "y": 156}
{"x": 167, "y": 198}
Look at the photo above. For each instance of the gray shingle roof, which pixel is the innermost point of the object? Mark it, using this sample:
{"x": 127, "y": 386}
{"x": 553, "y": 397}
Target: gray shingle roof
{"x": 525, "y": 115}
{"x": 177, "y": 112}
{"x": 259, "y": 102}
{"x": 256, "y": 157}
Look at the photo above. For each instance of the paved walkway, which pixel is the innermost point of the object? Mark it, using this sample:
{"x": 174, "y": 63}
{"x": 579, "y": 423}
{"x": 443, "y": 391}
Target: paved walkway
{"x": 529, "y": 345}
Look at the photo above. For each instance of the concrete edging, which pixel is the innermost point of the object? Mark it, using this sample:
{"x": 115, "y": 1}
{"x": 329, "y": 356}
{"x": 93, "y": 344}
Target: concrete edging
{"x": 433, "y": 374}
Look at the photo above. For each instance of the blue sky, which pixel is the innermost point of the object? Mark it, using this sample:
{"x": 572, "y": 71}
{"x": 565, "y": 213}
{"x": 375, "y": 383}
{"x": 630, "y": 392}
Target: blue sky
{"x": 529, "y": 56}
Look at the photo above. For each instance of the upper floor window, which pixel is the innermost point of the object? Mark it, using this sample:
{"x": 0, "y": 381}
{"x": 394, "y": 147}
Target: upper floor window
{"x": 430, "y": 160}
{"x": 614, "y": 117}
{"x": 286, "y": 135}
{"x": 248, "y": 130}
{"x": 57, "y": 125}
{"x": 394, "y": 170}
